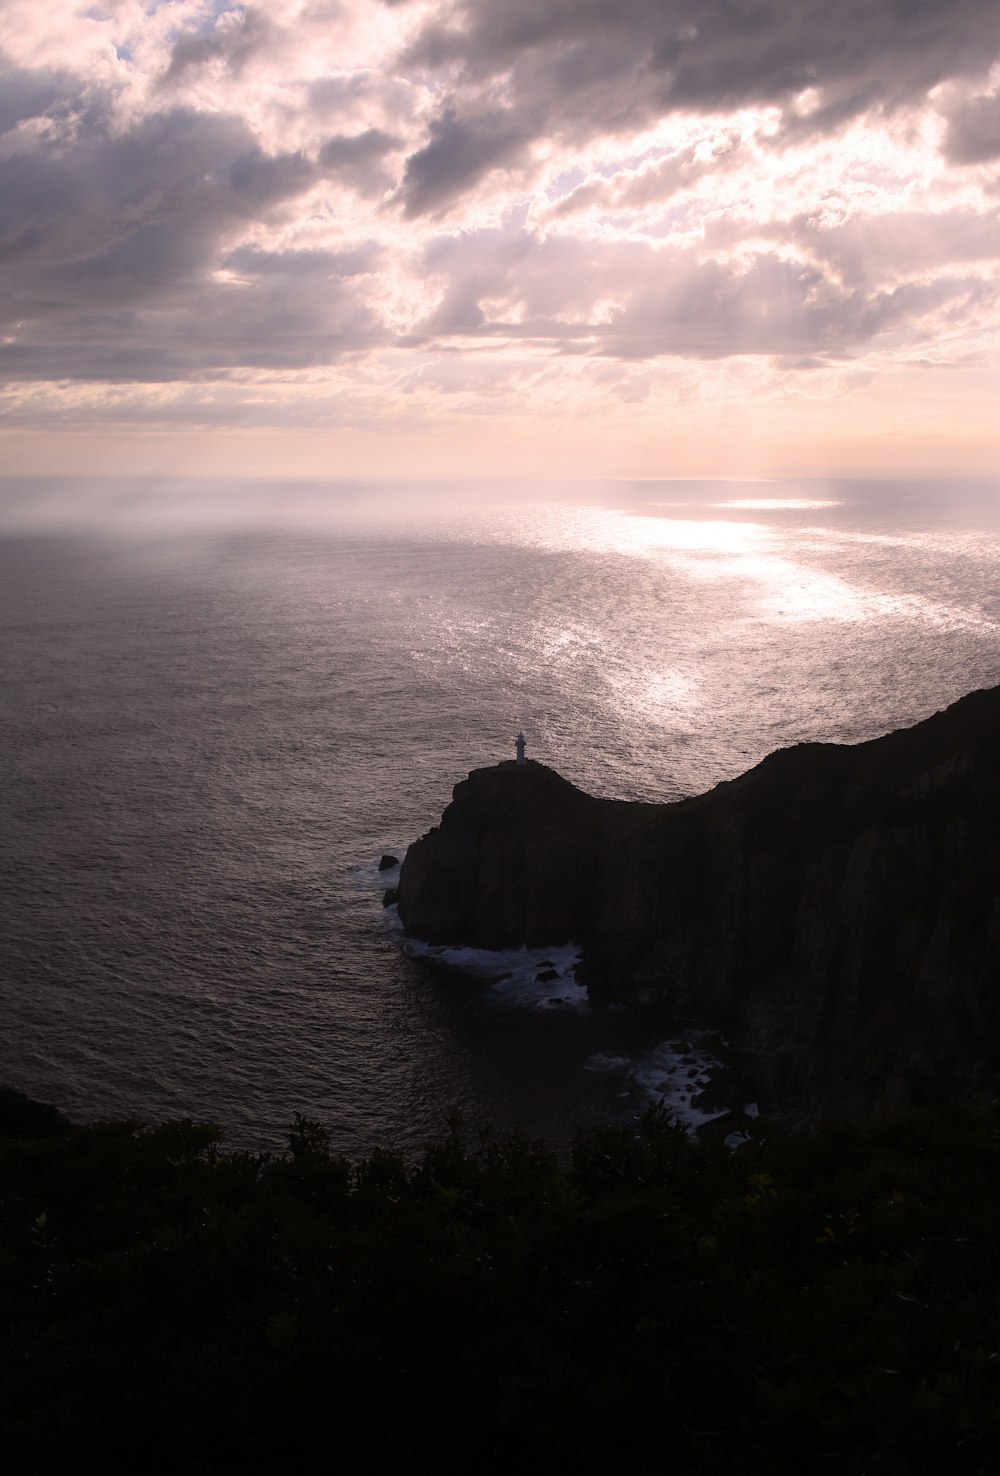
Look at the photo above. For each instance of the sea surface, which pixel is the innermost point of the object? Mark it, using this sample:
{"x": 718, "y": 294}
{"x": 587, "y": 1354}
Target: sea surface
{"x": 220, "y": 707}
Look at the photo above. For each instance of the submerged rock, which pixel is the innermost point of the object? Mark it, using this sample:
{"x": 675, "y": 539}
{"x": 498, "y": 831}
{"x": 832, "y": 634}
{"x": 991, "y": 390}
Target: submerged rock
{"x": 836, "y": 907}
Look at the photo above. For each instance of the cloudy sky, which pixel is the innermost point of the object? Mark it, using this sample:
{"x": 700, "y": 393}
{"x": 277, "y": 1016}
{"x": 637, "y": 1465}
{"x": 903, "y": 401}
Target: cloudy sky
{"x": 553, "y": 238}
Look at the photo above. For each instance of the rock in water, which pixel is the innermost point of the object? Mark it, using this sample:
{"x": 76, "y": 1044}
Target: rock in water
{"x": 388, "y": 862}
{"x": 837, "y": 907}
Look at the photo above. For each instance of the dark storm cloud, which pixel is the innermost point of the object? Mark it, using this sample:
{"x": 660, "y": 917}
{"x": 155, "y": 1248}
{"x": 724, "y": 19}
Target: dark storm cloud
{"x": 109, "y": 244}
{"x": 576, "y": 68}
{"x": 973, "y": 135}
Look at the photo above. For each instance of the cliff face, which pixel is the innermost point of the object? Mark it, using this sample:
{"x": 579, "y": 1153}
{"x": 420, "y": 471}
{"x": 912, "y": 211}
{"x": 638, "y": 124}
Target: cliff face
{"x": 514, "y": 860}
{"x": 838, "y": 908}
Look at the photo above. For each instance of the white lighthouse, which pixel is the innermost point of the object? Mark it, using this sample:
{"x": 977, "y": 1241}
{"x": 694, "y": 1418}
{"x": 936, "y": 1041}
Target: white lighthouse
{"x": 519, "y": 745}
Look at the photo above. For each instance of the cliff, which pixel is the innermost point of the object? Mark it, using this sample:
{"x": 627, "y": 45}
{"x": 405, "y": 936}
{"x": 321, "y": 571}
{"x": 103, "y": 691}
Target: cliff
{"x": 514, "y": 860}
{"x": 836, "y": 908}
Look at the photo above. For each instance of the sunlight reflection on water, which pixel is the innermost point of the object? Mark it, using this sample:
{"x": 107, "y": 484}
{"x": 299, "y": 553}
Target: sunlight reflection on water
{"x": 779, "y": 504}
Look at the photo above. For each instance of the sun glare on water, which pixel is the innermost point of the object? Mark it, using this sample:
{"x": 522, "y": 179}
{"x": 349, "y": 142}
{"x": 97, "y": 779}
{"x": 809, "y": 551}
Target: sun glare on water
{"x": 780, "y": 504}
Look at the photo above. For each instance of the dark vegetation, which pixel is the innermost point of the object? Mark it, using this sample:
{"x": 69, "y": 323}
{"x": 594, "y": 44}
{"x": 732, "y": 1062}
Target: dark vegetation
{"x": 796, "y": 1305}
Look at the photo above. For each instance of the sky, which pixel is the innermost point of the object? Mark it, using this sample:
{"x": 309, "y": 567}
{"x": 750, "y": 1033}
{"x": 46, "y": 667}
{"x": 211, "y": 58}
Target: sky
{"x": 513, "y": 238}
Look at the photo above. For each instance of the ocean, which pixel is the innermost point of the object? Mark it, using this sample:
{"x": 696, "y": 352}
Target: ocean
{"x": 218, "y": 711}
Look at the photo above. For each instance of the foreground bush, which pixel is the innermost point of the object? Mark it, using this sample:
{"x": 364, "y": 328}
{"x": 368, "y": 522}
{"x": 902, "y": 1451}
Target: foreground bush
{"x": 799, "y": 1306}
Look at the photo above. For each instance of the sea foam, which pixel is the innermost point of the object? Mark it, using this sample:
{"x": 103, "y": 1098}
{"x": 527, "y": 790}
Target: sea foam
{"x": 525, "y": 978}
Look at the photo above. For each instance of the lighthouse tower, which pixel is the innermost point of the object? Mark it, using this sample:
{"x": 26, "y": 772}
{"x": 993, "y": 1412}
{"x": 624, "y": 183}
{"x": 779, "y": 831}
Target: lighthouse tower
{"x": 519, "y": 745}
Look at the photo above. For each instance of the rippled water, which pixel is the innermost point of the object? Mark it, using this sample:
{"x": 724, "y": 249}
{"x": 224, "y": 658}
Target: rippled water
{"x": 211, "y": 738}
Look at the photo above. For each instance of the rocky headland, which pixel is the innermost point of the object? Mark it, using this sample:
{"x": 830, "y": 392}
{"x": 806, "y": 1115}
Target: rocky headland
{"x": 836, "y": 909}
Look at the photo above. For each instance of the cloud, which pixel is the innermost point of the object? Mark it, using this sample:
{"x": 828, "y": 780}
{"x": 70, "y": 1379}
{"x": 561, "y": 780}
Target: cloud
{"x": 773, "y": 307}
{"x": 357, "y": 159}
{"x": 634, "y": 301}
{"x": 26, "y": 94}
{"x": 237, "y": 39}
{"x": 460, "y": 153}
{"x": 116, "y": 249}
{"x": 655, "y": 180}
{"x": 270, "y": 312}
{"x": 360, "y": 261}
{"x": 899, "y": 245}
{"x": 447, "y": 197}
{"x": 139, "y": 209}
{"x": 583, "y": 68}
{"x": 973, "y": 134}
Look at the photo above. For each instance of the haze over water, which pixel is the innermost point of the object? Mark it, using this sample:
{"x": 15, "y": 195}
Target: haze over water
{"x": 214, "y": 726}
